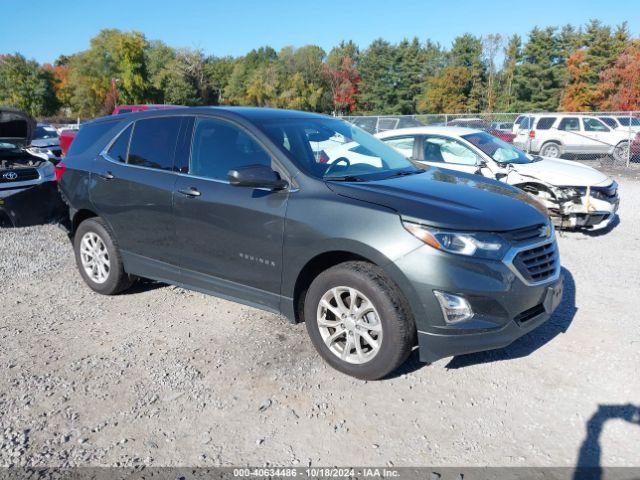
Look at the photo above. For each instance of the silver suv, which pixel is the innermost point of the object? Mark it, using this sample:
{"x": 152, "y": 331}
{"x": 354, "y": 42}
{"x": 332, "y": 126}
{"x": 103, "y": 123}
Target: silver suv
{"x": 554, "y": 135}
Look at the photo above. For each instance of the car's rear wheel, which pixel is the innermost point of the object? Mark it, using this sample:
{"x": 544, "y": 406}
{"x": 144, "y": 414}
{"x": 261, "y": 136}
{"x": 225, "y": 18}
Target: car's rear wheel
{"x": 621, "y": 152}
{"x": 98, "y": 258}
{"x": 358, "y": 320}
{"x": 551, "y": 149}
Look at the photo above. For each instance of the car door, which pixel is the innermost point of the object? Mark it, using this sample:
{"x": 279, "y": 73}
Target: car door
{"x": 597, "y": 136}
{"x": 230, "y": 237}
{"x": 570, "y": 135}
{"x": 404, "y": 144}
{"x": 133, "y": 183}
{"x": 447, "y": 152}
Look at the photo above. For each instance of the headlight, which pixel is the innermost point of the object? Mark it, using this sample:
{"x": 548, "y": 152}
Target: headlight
{"x": 473, "y": 244}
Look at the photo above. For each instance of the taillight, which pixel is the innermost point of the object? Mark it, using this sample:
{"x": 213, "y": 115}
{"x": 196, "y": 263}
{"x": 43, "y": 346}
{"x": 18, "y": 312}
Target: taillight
{"x": 60, "y": 169}
{"x": 532, "y": 134}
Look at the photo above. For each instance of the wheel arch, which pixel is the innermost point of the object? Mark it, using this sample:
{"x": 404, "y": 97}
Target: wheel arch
{"x": 79, "y": 217}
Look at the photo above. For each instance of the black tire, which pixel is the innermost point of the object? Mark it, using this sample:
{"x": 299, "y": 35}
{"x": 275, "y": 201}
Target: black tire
{"x": 621, "y": 152}
{"x": 398, "y": 328}
{"x": 551, "y": 144}
{"x": 117, "y": 279}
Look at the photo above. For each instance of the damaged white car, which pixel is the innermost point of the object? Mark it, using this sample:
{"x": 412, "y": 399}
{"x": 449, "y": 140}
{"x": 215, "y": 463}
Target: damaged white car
{"x": 576, "y": 195}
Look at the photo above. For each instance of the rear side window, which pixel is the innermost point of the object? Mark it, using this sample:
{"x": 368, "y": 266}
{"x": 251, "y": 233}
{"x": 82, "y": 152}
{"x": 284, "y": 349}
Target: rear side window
{"x": 570, "y": 124}
{"x": 404, "y": 145}
{"x": 120, "y": 147}
{"x": 153, "y": 143}
{"x": 219, "y": 146}
{"x": 545, "y": 123}
{"x": 88, "y": 135}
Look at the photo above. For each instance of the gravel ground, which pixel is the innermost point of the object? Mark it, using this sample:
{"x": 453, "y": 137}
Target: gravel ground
{"x": 164, "y": 376}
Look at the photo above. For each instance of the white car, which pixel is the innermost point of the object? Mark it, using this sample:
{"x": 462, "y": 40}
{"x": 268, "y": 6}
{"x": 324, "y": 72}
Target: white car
{"x": 554, "y": 135}
{"x": 577, "y": 196}
{"x": 620, "y": 122}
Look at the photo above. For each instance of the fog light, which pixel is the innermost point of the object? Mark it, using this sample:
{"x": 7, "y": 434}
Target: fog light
{"x": 455, "y": 309}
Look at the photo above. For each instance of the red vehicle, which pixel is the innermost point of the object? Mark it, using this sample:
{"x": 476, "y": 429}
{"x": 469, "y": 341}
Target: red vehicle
{"x": 140, "y": 108}
{"x": 66, "y": 137}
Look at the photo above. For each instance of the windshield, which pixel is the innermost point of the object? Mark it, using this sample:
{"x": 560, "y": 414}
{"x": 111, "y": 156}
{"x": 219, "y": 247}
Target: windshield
{"x": 43, "y": 132}
{"x": 500, "y": 151}
{"x": 332, "y": 149}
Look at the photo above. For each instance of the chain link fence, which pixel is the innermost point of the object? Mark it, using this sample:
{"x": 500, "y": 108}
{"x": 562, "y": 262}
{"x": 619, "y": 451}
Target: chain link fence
{"x": 609, "y": 137}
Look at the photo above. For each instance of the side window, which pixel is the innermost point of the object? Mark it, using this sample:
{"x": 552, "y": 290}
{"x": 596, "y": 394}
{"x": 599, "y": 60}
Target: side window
{"x": 88, "y": 135}
{"x": 404, "y": 145}
{"x": 545, "y": 123}
{"x": 153, "y": 143}
{"x": 570, "y": 124}
{"x": 218, "y": 147}
{"x": 594, "y": 125}
{"x": 120, "y": 147}
{"x": 609, "y": 121}
{"x": 448, "y": 150}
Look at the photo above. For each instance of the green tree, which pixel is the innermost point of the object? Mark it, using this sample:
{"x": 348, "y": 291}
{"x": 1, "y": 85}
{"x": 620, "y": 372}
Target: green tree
{"x": 24, "y": 84}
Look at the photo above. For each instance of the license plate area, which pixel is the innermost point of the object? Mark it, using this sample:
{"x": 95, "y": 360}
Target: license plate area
{"x": 553, "y": 296}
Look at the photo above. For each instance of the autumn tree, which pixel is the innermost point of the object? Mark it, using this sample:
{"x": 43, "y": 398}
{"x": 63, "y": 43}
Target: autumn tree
{"x": 621, "y": 82}
{"x": 24, "y": 84}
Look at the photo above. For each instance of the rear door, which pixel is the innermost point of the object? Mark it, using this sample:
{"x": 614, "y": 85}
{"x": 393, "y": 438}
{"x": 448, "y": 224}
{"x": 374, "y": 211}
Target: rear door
{"x": 230, "y": 238}
{"x": 133, "y": 191}
{"x": 570, "y": 135}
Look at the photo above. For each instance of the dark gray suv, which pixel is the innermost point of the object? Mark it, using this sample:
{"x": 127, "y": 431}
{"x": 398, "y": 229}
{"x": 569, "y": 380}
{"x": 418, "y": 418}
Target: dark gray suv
{"x": 311, "y": 217}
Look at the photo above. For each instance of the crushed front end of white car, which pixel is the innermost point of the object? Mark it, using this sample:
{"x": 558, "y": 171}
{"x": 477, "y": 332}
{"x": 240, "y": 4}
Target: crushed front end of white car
{"x": 591, "y": 206}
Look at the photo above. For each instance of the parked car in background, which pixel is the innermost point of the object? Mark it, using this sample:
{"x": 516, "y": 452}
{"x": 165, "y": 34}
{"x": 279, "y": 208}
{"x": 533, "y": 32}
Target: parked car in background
{"x": 120, "y": 109}
{"x": 576, "y": 195}
{"x": 502, "y": 126}
{"x": 554, "y": 135}
{"x": 374, "y": 124}
{"x": 620, "y": 122}
{"x": 66, "y": 137}
{"x": 28, "y": 190}
{"x": 373, "y": 255}
{"x": 480, "y": 124}
{"x": 46, "y": 143}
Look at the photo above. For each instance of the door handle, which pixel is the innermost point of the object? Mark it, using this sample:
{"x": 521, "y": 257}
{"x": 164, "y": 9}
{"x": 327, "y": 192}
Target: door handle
{"x": 106, "y": 176}
{"x": 190, "y": 192}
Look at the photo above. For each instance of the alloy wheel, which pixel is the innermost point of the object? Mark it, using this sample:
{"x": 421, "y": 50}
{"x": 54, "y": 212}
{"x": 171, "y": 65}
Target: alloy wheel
{"x": 95, "y": 257}
{"x": 349, "y": 325}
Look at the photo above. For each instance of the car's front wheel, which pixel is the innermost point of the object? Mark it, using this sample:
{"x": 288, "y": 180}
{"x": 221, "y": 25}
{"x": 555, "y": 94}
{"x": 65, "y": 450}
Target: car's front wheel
{"x": 98, "y": 258}
{"x": 621, "y": 152}
{"x": 358, "y": 320}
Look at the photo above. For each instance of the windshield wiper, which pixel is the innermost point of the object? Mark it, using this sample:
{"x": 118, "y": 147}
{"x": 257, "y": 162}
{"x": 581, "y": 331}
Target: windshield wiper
{"x": 404, "y": 173}
{"x": 345, "y": 178}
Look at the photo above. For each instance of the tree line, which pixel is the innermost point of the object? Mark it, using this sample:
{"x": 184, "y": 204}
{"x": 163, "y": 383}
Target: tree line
{"x": 592, "y": 67}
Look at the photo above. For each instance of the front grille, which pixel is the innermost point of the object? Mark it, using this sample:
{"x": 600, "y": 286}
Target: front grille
{"x": 524, "y": 234}
{"x": 21, "y": 175}
{"x": 539, "y": 263}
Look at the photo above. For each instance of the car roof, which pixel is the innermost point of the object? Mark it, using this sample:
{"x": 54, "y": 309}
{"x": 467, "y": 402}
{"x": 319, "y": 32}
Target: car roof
{"x": 440, "y": 130}
{"x": 248, "y": 113}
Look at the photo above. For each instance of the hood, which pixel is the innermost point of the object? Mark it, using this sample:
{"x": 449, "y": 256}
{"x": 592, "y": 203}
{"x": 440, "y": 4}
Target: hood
{"x": 450, "y": 200}
{"x": 45, "y": 142}
{"x": 562, "y": 173}
{"x": 16, "y": 126}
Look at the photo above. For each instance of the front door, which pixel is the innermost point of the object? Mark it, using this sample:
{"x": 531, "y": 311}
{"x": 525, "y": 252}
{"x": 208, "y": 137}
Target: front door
{"x": 596, "y": 136}
{"x": 446, "y": 152}
{"x": 230, "y": 238}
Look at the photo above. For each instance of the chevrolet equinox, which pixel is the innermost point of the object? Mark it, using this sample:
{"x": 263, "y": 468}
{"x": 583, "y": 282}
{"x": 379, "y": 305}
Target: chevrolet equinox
{"x": 311, "y": 217}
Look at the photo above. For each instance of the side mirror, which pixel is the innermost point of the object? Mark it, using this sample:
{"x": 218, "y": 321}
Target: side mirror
{"x": 256, "y": 176}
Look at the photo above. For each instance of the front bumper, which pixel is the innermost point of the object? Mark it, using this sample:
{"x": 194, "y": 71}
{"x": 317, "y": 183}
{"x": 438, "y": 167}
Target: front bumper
{"x": 32, "y": 205}
{"x": 588, "y": 212}
{"x": 506, "y": 306}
